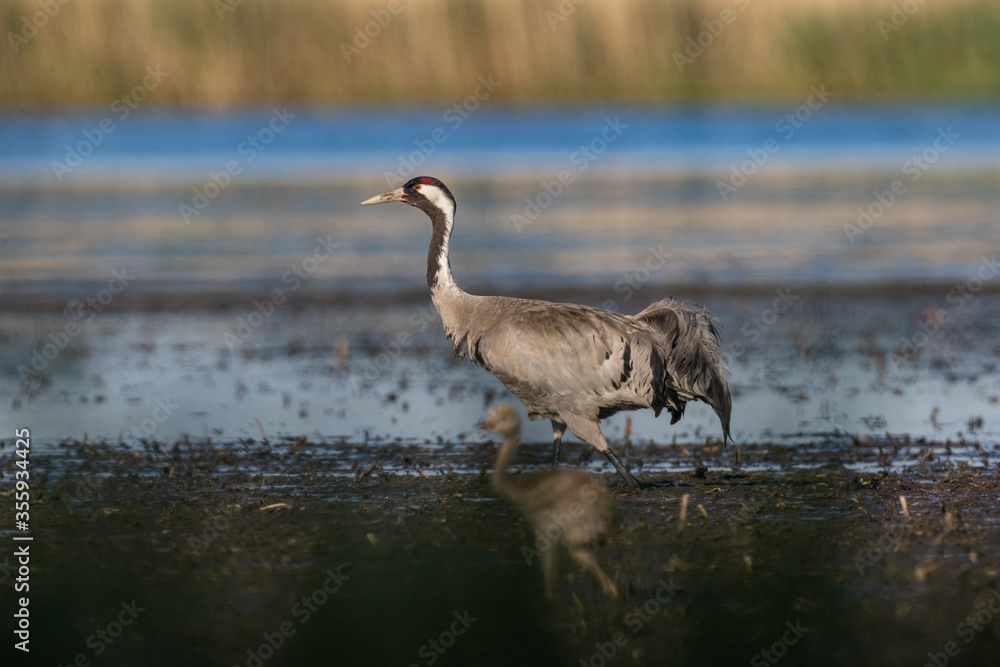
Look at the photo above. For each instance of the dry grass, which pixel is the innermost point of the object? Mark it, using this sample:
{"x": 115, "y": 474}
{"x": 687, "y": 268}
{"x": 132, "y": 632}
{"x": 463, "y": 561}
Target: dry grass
{"x": 261, "y": 51}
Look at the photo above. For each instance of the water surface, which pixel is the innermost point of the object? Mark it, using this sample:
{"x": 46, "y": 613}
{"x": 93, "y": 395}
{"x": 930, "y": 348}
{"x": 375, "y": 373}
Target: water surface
{"x": 640, "y": 215}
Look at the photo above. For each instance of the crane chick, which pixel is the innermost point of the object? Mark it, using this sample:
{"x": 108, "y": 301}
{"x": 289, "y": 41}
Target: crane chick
{"x": 569, "y": 508}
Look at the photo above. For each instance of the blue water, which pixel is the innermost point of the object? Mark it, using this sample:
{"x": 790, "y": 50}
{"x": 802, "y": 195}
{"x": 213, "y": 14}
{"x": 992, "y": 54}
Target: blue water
{"x": 641, "y": 178}
{"x": 320, "y": 147}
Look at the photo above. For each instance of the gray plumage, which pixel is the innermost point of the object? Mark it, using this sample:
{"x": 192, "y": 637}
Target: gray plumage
{"x": 562, "y": 358}
{"x": 574, "y": 364}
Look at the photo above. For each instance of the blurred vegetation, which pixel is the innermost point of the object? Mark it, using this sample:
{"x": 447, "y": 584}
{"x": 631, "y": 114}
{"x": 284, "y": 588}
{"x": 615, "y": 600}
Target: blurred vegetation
{"x": 234, "y": 52}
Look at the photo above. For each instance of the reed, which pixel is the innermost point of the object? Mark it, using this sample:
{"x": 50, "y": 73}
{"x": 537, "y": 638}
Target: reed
{"x": 225, "y": 53}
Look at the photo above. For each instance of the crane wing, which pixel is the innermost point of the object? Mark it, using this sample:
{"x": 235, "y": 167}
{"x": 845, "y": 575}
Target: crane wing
{"x": 559, "y": 349}
{"x": 549, "y": 353}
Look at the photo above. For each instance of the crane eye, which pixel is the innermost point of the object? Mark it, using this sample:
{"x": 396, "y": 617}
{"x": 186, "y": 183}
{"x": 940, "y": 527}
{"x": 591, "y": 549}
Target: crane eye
{"x": 417, "y": 186}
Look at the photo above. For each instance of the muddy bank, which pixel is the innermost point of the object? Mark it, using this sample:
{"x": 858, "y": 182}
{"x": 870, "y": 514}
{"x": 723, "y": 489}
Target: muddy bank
{"x": 353, "y": 554}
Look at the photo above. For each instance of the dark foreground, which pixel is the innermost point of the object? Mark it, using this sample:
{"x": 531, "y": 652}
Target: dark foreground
{"x": 303, "y": 554}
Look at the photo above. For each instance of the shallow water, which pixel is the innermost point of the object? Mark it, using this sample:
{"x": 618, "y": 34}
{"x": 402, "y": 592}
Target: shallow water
{"x": 828, "y": 365}
{"x": 822, "y": 324}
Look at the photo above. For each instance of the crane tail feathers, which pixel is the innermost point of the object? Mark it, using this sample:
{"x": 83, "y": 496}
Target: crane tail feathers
{"x": 689, "y": 338}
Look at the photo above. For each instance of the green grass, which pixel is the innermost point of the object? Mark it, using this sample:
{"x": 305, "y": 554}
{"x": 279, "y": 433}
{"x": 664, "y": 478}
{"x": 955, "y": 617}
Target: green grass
{"x": 432, "y": 51}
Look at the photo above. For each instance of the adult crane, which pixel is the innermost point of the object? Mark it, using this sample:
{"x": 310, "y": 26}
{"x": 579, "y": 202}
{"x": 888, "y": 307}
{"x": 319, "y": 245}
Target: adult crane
{"x": 569, "y": 363}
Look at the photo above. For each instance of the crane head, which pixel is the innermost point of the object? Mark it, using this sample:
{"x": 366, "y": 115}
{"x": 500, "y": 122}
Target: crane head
{"x": 424, "y": 192}
{"x": 502, "y": 419}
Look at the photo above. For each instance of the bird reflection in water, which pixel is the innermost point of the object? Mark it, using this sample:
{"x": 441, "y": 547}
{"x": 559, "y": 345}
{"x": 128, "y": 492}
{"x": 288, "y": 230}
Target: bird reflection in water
{"x": 567, "y": 508}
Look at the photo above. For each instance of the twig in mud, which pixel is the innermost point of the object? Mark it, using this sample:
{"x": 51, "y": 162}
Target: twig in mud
{"x": 364, "y": 473}
{"x": 298, "y": 444}
{"x": 276, "y": 506}
{"x": 902, "y": 501}
{"x": 921, "y": 571}
{"x": 684, "y": 512}
{"x": 261, "y": 426}
{"x": 926, "y": 455}
{"x": 675, "y": 564}
{"x": 341, "y": 351}
{"x": 702, "y": 509}
{"x": 862, "y": 440}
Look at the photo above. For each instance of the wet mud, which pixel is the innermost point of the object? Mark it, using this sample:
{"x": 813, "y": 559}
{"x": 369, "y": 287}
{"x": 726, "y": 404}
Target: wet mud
{"x": 855, "y": 551}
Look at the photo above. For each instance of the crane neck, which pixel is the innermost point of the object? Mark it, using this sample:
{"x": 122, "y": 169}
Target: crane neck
{"x": 439, "y": 278}
{"x": 452, "y": 304}
{"x": 501, "y": 478}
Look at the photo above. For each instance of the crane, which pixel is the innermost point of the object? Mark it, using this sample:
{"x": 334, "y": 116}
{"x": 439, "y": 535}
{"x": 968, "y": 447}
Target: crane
{"x": 573, "y": 364}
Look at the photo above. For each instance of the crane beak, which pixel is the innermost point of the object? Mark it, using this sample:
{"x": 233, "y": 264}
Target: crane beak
{"x": 394, "y": 195}
{"x": 485, "y": 425}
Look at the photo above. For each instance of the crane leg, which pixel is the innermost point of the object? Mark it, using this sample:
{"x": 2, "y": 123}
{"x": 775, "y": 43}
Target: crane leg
{"x": 558, "y": 429}
{"x": 589, "y": 563}
{"x": 622, "y": 470}
{"x": 590, "y": 432}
